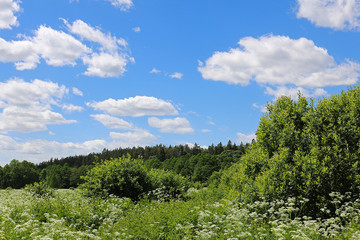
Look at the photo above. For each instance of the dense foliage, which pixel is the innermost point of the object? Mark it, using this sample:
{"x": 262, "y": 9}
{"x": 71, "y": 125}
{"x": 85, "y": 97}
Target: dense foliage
{"x": 67, "y": 172}
{"x": 303, "y": 150}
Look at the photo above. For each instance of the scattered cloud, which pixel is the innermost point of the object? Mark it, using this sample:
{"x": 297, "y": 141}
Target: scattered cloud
{"x": 113, "y": 122}
{"x": 8, "y": 8}
{"x": 136, "y": 137}
{"x": 205, "y": 130}
{"x": 26, "y": 106}
{"x": 77, "y": 92}
{"x": 261, "y": 107}
{"x": 210, "y": 123}
{"x": 135, "y": 106}
{"x": 58, "y": 48}
{"x": 137, "y": 29}
{"x": 293, "y": 92}
{"x": 55, "y": 47}
{"x": 72, "y": 108}
{"x": 124, "y": 5}
{"x": 42, "y": 150}
{"x": 176, "y": 125}
{"x": 245, "y": 138}
{"x": 85, "y": 31}
{"x": 279, "y": 61}
{"x": 154, "y": 70}
{"x": 176, "y": 75}
{"x": 335, "y": 14}
{"x": 105, "y": 65}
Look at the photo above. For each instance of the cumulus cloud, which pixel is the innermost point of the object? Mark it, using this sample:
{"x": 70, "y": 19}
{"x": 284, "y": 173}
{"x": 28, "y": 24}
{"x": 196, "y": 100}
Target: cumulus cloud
{"x": 279, "y": 60}
{"x": 176, "y": 125}
{"x": 335, "y": 14}
{"x": 42, "y": 150}
{"x": 136, "y": 137}
{"x": 8, "y": 8}
{"x": 105, "y": 65}
{"x": 176, "y": 75}
{"x": 26, "y": 106}
{"x": 58, "y": 48}
{"x": 135, "y": 106}
{"x": 113, "y": 122}
{"x": 55, "y": 47}
{"x": 245, "y": 138}
{"x": 90, "y": 33}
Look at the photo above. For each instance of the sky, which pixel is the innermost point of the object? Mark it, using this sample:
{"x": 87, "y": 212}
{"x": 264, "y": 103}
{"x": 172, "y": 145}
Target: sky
{"x": 78, "y": 76}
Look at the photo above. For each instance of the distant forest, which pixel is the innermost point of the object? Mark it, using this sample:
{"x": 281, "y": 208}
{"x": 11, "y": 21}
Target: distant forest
{"x": 195, "y": 163}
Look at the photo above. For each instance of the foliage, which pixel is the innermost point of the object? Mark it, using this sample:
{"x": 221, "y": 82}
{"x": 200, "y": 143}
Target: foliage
{"x": 71, "y": 215}
{"x": 122, "y": 177}
{"x": 39, "y": 189}
{"x": 167, "y": 185}
{"x": 17, "y": 174}
{"x": 303, "y": 150}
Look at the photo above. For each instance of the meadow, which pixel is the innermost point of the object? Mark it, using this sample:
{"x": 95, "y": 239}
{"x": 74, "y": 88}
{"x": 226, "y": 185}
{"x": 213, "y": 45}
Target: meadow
{"x": 68, "y": 214}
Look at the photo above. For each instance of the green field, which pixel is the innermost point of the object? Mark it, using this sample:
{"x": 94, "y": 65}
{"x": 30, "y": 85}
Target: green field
{"x": 70, "y": 215}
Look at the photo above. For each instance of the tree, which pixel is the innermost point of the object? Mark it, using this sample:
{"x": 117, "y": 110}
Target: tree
{"x": 17, "y": 174}
{"x": 123, "y": 177}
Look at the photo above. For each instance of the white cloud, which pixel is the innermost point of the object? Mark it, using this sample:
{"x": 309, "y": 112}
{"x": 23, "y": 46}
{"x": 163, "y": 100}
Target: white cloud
{"x": 176, "y": 125}
{"x": 279, "y": 60}
{"x": 72, "y": 108}
{"x": 105, "y": 65}
{"x": 136, "y": 29}
{"x": 293, "y": 92}
{"x": 135, "y": 106}
{"x": 335, "y": 14}
{"x": 89, "y": 33}
{"x": 245, "y": 138}
{"x": 176, "y": 75}
{"x": 112, "y": 60}
{"x": 205, "y": 130}
{"x": 154, "y": 70}
{"x": 122, "y": 4}
{"x": 55, "y": 47}
{"x": 76, "y": 91}
{"x": 43, "y": 150}
{"x": 23, "y": 53}
{"x": 58, "y": 48}
{"x": 136, "y": 137}
{"x": 7, "y": 10}
{"x": 113, "y": 122}
{"x": 27, "y": 105}
{"x": 262, "y": 107}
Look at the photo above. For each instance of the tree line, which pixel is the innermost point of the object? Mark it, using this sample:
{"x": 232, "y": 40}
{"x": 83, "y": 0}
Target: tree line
{"x": 195, "y": 163}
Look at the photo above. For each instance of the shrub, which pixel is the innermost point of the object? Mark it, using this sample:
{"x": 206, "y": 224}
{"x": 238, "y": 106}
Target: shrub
{"x": 122, "y": 177}
{"x": 168, "y": 185}
{"x": 39, "y": 189}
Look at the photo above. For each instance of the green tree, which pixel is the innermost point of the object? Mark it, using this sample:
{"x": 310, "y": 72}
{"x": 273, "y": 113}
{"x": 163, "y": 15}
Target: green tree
{"x": 123, "y": 177}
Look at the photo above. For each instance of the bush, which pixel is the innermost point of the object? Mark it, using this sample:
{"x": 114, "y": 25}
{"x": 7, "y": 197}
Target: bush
{"x": 168, "y": 185}
{"x": 122, "y": 177}
{"x": 39, "y": 189}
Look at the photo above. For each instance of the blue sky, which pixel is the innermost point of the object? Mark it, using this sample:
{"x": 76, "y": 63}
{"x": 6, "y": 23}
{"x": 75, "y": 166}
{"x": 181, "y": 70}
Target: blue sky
{"x": 80, "y": 76}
